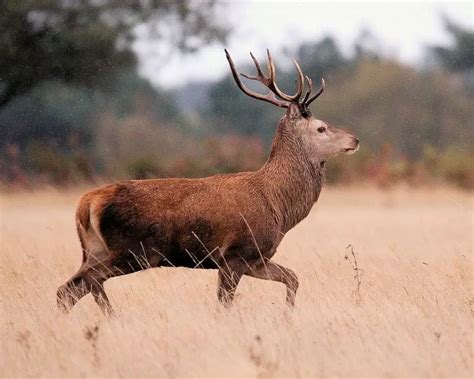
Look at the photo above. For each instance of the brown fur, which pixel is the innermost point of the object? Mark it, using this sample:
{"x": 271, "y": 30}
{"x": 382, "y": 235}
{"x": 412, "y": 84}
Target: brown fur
{"x": 231, "y": 222}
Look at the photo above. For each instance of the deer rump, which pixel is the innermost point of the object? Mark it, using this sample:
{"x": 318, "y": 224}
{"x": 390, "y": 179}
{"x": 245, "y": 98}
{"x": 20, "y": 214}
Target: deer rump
{"x": 175, "y": 222}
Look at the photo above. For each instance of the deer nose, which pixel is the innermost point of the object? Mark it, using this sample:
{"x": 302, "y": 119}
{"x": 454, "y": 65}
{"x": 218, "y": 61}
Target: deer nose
{"x": 357, "y": 140}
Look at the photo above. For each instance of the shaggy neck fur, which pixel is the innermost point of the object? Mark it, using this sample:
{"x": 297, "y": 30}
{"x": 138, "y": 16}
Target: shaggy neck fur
{"x": 291, "y": 182}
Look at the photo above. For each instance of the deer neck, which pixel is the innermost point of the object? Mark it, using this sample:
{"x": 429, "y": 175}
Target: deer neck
{"x": 291, "y": 181}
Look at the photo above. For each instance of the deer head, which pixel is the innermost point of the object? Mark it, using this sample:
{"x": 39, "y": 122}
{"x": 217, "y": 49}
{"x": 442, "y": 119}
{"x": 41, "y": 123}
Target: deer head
{"x": 320, "y": 140}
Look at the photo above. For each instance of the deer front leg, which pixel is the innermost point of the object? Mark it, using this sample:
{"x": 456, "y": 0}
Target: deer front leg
{"x": 227, "y": 282}
{"x": 277, "y": 273}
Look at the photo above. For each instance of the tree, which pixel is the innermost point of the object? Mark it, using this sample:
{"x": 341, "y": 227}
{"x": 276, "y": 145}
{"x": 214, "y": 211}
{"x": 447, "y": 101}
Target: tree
{"x": 85, "y": 42}
{"x": 459, "y": 57}
{"x": 320, "y": 58}
{"x": 238, "y": 113}
{"x": 366, "y": 46}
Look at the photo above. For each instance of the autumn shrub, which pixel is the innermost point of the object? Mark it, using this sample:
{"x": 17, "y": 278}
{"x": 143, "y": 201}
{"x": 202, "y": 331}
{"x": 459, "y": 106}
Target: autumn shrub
{"x": 48, "y": 164}
{"x": 456, "y": 166}
{"x": 144, "y": 168}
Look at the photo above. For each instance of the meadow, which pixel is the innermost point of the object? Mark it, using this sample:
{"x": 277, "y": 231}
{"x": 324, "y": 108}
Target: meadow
{"x": 404, "y": 307}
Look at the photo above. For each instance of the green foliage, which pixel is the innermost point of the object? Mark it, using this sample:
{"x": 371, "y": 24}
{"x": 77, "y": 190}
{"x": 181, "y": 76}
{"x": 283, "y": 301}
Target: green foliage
{"x": 64, "y": 65}
{"x": 86, "y": 42}
{"x": 65, "y": 116}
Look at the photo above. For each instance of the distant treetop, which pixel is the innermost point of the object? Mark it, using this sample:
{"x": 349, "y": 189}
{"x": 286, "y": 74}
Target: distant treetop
{"x": 85, "y": 41}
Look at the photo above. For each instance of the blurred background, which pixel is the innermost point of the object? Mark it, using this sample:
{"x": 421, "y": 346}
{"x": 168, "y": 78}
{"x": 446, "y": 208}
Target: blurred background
{"x": 103, "y": 90}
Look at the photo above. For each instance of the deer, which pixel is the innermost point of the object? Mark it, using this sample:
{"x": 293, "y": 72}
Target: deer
{"x": 232, "y": 222}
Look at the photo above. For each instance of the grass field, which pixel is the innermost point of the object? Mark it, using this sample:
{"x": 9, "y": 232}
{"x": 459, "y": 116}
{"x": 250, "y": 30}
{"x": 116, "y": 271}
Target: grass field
{"x": 412, "y": 315}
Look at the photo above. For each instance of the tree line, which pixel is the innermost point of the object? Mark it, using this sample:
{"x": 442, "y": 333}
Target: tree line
{"x": 73, "y": 107}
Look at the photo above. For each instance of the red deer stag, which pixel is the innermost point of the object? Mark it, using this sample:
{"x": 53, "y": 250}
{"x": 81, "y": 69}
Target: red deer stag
{"x": 231, "y": 222}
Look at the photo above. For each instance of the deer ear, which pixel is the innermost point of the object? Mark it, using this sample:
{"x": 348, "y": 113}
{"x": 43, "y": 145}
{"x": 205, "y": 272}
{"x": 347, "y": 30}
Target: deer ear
{"x": 293, "y": 111}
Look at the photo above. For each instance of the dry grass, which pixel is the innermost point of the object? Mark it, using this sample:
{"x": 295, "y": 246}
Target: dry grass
{"x": 412, "y": 316}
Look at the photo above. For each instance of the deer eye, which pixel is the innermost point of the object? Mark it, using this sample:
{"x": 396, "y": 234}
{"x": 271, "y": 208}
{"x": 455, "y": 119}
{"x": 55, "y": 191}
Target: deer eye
{"x": 321, "y": 129}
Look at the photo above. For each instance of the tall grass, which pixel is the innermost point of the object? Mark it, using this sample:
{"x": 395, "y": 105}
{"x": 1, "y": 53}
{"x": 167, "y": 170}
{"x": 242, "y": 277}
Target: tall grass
{"x": 409, "y": 313}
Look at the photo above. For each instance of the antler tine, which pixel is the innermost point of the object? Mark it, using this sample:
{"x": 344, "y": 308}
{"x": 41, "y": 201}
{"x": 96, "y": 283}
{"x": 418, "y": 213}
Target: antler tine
{"x": 269, "y": 97}
{"x": 274, "y": 87}
{"x": 266, "y": 81}
{"x": 300, "y": 87}
{"x": 316, "y": 95}
{"x": 275, "y": 96}
{"x": 308, "y": 91}
{"x": 260, "y": 76}
{"x": 259, "y": 70}
{"x": 271, "y": 67}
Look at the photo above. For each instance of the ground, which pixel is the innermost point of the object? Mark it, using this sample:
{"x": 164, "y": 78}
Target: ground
{"x": 411, "y": 316}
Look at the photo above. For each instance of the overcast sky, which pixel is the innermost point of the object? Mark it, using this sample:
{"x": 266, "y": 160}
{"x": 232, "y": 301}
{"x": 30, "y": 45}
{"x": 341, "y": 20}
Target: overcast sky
{"x": 403, "y": 30}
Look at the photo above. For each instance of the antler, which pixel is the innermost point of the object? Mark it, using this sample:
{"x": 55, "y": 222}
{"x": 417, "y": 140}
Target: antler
{"x": 307, "y": 102}
{"x": 275, "y": 96}
{"x": 268, "y": 82}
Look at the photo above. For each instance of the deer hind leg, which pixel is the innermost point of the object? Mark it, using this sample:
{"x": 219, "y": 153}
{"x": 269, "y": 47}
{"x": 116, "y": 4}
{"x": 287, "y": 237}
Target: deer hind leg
{"x": 72, "y": 291}
{"x": 275, "y": 272}
{"x": 88, "y": 279}
{"x": 95, "y": 269}
{"x": 95, "y": 279}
